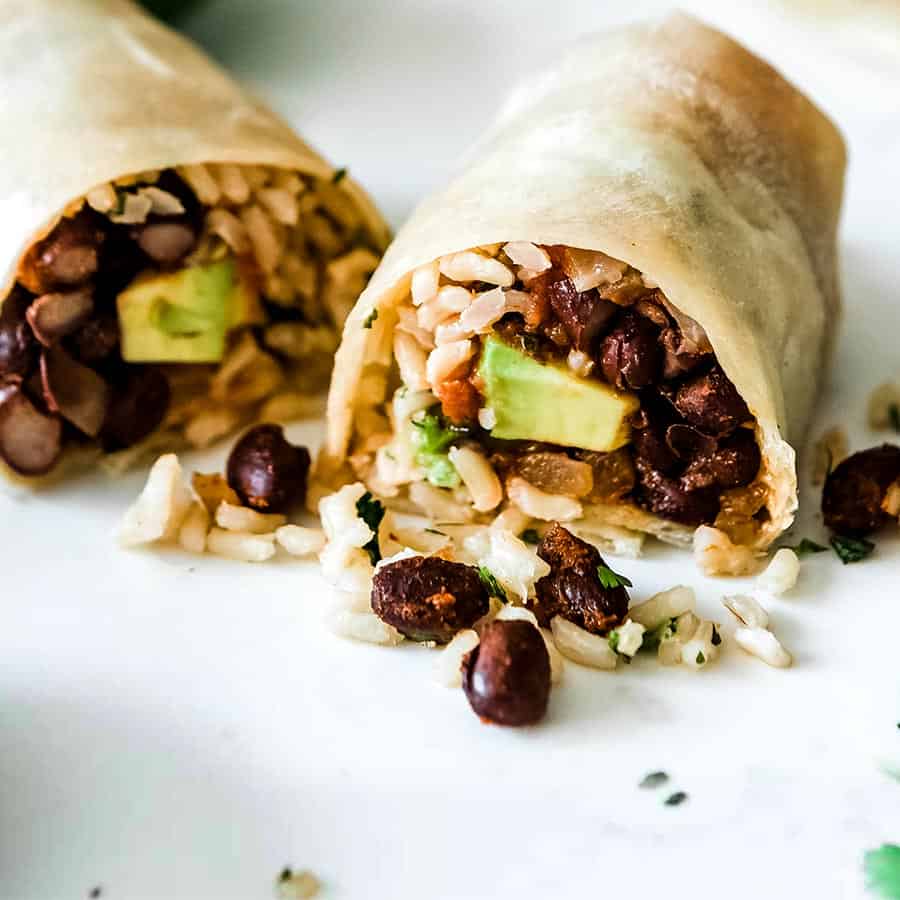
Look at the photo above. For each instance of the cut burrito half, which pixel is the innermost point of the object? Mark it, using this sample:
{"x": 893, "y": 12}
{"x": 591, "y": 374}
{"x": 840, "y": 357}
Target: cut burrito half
{"x": 619, "y": 314}
{"x": 172, "y": 256}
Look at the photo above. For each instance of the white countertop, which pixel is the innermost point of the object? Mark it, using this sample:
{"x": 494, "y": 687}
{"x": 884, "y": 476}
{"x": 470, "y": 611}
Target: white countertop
{"x": 177, "y": 727}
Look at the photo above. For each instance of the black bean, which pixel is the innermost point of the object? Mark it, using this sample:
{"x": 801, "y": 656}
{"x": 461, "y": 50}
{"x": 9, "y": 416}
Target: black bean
{"x": 855, "y": 491}
{"x": 74, "y": 390}
{"x": 631, "y": 355}
{"x": 667, "y": 498}
{"x": 584, "y": 315}
{"x": 18, "y": 345}
{"x": 678, "y": 361}
{"x": 686, "y": 442}
{"x": 68, "y": 257}
{"x": 506, "y": 678}
{"x": 166, "y": 241}
{"x": 711, "y": 403}
{"x": 53, "y": 316}
{"x": 573, "y": 589}
{"x": 648, "y": 439}
{"x": 266, "y": 471}
{"x": 138, "y": 406}
{"x": 734, "y": 463}
{"x": 30, "y": 442}
{"x": 428, "y": 598}
{"x": 95, "y": 341}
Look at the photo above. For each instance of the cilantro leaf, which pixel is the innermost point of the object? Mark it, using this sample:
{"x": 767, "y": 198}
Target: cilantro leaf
{"x": 676, "y": 799}
{"x": 806, "y": 547}
{"x": 432, "y": 438}
{"x": 851, "y": 550}
{"x": 663, "y": 632}
{"x": 339, "y": 175}
{"x": 716, "y": 637}
{"x": 491, "y": 585}
{"x": 610, "y": 579}
{"x": 701, "y": 659}
{"x": 894, "y": 416}
{"x": 882, "y": 868}
{"x": 530, "y": 536}
{"x": 653, "y": 780}
{"x": 371, "y": 318}
{"x": 371, "y": 511}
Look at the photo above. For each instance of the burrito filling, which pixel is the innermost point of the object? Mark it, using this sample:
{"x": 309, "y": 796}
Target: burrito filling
{"x": 565, "y": 383}
{"x": 173, "y": 307}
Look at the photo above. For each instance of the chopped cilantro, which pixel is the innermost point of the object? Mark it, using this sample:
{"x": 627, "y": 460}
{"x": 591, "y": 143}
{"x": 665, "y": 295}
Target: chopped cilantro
{"x": 882, "y": 868}
{"x": 676, "y": 799}
{"x": 653, "y": 780}
{"x": 371, "y": 318}
{"x": 432, "y": 439}
{"x": 851, "y": 550}
{"x": 530, "y": 536}
{"x": 371, "y": 511}
{"x": 613, "y": 640}
{"x": 716, "y": 637}
{"x": 701, "y": 659}
{"x": 894, "y": 416}
{"x": 610, "y": 579}
{"x": 435, "y": 531}
{"x": 339, "y": 175}
{"x": 491, "y": 585}
{"x": 663, "y": 632}
{"x": 806, "y": 547}
{"x": 286, "y": 874}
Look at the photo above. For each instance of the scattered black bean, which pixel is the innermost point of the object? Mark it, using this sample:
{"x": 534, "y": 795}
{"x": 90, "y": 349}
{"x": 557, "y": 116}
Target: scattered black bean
{"x": 734, "y": 463}
{"x": 73, "y": 390}
{"x": 96, "y": 340}
{"x": 855, "y": 491}
{"x": 53, "y": 316}
{"x": 584, "y": 315}
{"x": 266, "y": 471}
{"x": 573, "y": 588}
{"x": 166, "y": 241}
{"x": 427, "y": 598}
{"x": 506, "y": 678}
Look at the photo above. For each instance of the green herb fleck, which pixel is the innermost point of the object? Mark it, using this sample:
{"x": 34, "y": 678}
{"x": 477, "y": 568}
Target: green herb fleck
{"x": 339, "y": 175}
{"x": 701, "y": 659}
{"x": 613, "y": 640}
{"x": 894, "y": 416}
{"x": 530, "y": 536}
{"x": 806, "y": 547}
{"x": 851, "y": 550}
{"x": 371, "y": 511}
{"x": 610, "y": 579}
{"x": 882, "y": 869}
{"x": 435, "y": 531}
{"x": 676, "y": 799}
{"x": 432, "y": 439}
{"x": 371, "y": 318}
{"x": 653, "y": 780}
{"x": 491, "y": 585}
{"x": 663, "y": 632}
{"x": 716, "y": 637}
{"x": 286, "y": 874}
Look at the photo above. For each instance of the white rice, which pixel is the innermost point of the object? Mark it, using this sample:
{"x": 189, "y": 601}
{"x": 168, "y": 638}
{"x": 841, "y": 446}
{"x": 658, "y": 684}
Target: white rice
{"x": 160, "y": 508}
{"x": 539, "y": 504}
{"x": 194, "y": 529}
{"x": 242, "y": 518}
{"x": 781, "y": 574}
{"x": 715, "y": 554}
{"x": 241, "y": 545}
{"x": 447, "y": 669}
{"x": 663, "y": 606}
{"x": 762, "y": 644}
{"x": 300, "y": 541}
{"x": 581, "y": 646}
{"x": 478, "y": 476}
{"x": 471, "y": 266}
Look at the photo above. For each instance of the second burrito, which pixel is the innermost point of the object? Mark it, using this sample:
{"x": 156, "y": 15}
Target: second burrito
{"x": 174, "y": 260}
{"x": 619, "y": 314}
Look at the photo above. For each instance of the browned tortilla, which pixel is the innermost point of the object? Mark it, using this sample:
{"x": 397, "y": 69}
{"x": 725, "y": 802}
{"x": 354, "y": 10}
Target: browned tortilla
{"x": 671, "y": 147}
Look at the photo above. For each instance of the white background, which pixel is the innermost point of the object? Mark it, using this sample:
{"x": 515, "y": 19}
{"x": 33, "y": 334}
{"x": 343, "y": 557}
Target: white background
{"x": 176, "y": 727}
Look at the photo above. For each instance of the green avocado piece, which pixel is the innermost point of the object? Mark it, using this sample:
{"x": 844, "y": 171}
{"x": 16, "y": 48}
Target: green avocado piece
{"x": 546, "y": 402}
{"x": 184, "y": 316}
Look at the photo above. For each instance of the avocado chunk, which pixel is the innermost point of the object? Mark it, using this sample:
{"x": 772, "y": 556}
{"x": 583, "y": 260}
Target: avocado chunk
{"x": 185, "y": 316}
{"x": 546, "y": 402}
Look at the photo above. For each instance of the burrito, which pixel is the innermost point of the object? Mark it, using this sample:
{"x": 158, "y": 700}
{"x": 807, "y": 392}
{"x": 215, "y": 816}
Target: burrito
{"x": 174, "y": 260}
{"x": 619, "y": 314}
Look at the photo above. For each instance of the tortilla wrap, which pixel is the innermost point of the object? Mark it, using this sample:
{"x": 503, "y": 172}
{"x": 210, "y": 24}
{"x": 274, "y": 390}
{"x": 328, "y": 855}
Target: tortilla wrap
{"x": 96, "y": 91}
{"x": 674, "y": 149}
